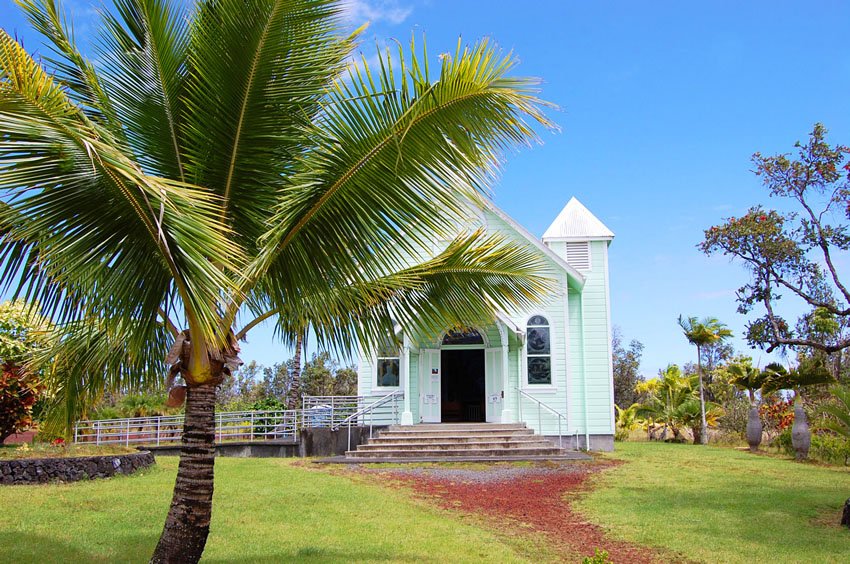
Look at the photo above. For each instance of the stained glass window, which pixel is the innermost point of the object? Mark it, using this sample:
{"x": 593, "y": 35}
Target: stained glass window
{"x": 538, "y": 350}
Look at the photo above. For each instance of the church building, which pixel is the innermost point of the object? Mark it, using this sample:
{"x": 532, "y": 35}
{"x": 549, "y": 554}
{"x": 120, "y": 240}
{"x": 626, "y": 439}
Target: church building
{"x": 549, "y": 367}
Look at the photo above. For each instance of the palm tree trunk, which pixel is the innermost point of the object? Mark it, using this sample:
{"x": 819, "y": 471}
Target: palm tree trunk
{"x": 703, "y": 436}
{"x": 295, "y": 386}
{"x": 188, "y": 522}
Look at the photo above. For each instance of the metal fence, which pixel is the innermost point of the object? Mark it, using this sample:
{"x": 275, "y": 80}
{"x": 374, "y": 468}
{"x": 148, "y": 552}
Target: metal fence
{"x": 163, "y": 430}
{"x": 335, "y": 411}
{"x": 317, "y": 411}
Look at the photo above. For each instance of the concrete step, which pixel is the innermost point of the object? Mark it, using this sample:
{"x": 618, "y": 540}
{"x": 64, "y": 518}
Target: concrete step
{"x": 423, "y": 427}
{"x": 568, "y": 455}
{"x": 453, "y": 437}
{"x": 414, "y": 433}
{"x": 485, "y": 445}
{"x": 454, "y": 453}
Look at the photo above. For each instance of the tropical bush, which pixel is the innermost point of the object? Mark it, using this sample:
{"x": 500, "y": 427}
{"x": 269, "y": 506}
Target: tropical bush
{"x": 830, "y": 448}
{"x": 672, "y": 405}
{"x": 19, "y": 390}
{"x": 22, "y": 333}
{"x": 627, "y": 421}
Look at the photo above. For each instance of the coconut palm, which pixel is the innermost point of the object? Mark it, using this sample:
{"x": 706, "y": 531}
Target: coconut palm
{"x": 227, "y": 165}
{"x": 701, "y": 333}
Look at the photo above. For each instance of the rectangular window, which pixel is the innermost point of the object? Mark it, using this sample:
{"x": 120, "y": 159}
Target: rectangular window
{"x": 388, "y": 372}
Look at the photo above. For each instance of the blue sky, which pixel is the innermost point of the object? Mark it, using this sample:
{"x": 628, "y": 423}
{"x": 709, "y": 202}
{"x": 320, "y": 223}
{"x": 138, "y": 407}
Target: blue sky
{"x": 661, "y": 105}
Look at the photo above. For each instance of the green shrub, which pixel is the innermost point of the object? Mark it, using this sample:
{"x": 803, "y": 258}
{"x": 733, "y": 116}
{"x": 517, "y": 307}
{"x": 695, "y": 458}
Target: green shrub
{"x": 782, "y": 442}
{"x": 830, "y": 448}
{"x": 599, "y": 557}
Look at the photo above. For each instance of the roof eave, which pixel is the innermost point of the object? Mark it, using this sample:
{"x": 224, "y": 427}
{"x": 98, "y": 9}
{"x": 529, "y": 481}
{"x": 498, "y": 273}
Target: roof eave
{"x": 579, "y": 239}
{"x": 577, "y": 277}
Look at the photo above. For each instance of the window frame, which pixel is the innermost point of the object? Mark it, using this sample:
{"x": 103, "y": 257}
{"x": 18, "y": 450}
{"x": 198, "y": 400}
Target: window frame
{"x": 550, "y": 386}
{"x": 379, "y": 354}
{"x": 376, "y": 383}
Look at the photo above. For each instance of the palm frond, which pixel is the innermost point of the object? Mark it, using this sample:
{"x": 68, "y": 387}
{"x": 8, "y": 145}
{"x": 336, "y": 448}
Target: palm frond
{"x": 144, "y": 51}
{"x": 96, "y": 355}
{"x": 396, "y": 164}
{"x": 839, "y": 413}
{"x": 70, "y": 68}
{"x": 259, "y": 72}
{"x": 83, "y": 222}
{"x": 476, "y": 276}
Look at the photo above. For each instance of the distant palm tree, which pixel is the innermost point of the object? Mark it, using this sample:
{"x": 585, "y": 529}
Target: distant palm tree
{"x": 221, "y": 164}
{"x": 750, "y": 379}
{"x": 701, "y": 333}
{"x": 671, "y": 402}
{"x": 664, "y": 395}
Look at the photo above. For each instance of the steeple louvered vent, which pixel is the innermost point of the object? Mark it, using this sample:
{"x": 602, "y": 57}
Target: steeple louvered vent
{"x": 578, "y": 255}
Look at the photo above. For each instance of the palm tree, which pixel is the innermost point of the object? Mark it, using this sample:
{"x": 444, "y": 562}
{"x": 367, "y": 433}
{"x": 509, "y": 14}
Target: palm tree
{"x": 751, "y": 379}
{"x": 231, "y": 163}
{"x": 810, "y": 371}
{"x": 664, "y": 396}
{"x": 294, "y": 395}
{"x": 701, "y": 333}
{"x": 671, "y": 401}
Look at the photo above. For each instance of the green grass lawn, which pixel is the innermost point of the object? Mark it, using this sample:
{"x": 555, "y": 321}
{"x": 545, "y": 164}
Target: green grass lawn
{"x": 722, "y": 505}
{"x": 266, "y": 510}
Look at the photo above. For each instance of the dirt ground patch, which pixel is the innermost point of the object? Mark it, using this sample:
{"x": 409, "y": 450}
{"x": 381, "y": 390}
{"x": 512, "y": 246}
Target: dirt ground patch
{"x": 516, "y": 498}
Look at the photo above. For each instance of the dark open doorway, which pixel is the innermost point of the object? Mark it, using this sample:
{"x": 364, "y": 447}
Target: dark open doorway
{"x": 462, "y": 386}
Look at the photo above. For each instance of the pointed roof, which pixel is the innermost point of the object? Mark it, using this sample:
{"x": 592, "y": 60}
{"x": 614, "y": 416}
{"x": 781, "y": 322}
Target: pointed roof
{"x": 576, "y": 222}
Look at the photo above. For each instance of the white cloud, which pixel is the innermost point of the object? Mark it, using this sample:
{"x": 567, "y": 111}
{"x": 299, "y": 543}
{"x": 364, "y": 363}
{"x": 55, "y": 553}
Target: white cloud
{"x": 374, "y": 11}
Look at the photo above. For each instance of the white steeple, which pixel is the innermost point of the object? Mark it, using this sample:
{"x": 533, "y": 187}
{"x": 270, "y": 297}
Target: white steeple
{"x": 576, "y": 223}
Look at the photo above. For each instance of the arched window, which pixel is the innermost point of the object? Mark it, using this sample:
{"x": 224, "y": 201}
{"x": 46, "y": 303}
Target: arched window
{"x": 388, "y": 371}
{"x": 538, "y": 350}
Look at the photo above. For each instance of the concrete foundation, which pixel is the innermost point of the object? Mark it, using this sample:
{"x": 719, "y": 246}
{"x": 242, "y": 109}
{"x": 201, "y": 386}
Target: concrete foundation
{"x": 602, "y": 443}
{"x": 313, "y": 442}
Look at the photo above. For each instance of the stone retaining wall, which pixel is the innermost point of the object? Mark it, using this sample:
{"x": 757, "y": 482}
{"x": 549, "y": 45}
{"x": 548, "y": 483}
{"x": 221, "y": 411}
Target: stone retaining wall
{"x": 41, "y": 470}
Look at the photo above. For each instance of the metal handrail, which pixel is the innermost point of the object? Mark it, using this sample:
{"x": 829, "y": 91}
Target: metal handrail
{"x": 539, "y": 418}
{"x": 328, "y": 411}
{"x": 370, "y": 409}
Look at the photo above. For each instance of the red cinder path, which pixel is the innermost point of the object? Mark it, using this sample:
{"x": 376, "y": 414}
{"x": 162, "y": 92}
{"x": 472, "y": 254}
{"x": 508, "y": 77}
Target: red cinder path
{"x": 531, "y": 497}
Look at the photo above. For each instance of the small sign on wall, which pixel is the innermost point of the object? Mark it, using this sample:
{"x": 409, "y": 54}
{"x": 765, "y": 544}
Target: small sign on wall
{"x": 435, "y": 371}
{"x": 430, "y": 399}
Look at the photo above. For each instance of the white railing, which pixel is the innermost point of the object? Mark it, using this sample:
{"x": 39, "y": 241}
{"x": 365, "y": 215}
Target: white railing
{"x": 540, "y": 406}
{"x": 168, "y": 429}
{"x": 386, "y": 407}
{"x": 318, "y": 411}
{"x": 329, "y": 411}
